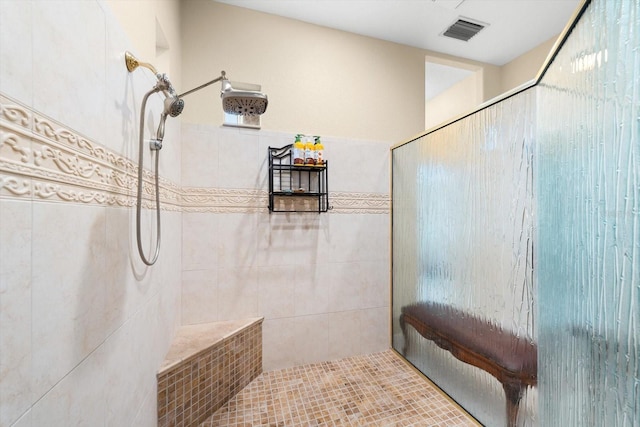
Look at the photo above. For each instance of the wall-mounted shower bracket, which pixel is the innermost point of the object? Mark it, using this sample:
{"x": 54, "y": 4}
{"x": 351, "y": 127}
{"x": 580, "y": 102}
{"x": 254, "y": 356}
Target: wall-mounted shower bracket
{"x": 164, "y": 84}
{"x": 155, "y": 144}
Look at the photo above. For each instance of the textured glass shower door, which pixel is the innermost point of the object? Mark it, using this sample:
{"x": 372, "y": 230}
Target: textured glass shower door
{"x": 589, "y": 222}
{"x": 463, "y": 241}
{"x": 548, "y": 177}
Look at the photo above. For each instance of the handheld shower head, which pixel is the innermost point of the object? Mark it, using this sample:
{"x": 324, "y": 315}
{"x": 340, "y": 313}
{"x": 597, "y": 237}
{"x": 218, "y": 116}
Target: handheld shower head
{"x": 242, "y": 102}
{"x": 173, "y": 105}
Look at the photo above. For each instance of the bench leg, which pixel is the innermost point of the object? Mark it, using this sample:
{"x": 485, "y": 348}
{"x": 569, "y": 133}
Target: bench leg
{"x": 513, "y": 393}
{"x": 403, "y": 327}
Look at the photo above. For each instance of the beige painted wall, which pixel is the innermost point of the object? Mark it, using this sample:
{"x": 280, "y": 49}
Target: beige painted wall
{"x": 526, "y": 66}
{"x": 489, "y": 82}
{"x": 319, "y": 81}
{"x": 462, "y": 97}
{"x": 140, "y": 19}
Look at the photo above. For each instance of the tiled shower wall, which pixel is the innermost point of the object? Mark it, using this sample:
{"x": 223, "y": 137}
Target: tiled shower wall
{"x": 321, "y": 281}
{"x": 83, "y": 324}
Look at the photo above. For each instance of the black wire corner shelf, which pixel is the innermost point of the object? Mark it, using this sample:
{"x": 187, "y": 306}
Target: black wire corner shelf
{"x": 296, "y": 188}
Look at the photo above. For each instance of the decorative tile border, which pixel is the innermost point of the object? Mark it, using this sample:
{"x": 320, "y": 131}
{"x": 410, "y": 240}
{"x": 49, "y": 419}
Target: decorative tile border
{"x": 41, "y": 159}
{"x": 360, "y": 203}
{"x": 217, "y": 200}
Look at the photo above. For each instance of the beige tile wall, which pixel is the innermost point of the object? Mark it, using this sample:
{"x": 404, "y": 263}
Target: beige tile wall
{"x": 321, "y": 281}
{"x": 70, "y": 277}
{"x": 323, "y": 277}
{"x": 83, "y": 323}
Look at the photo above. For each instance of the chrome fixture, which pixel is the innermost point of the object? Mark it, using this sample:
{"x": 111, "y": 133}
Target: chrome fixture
{"x": 234, "y": 101}
{"x": 240, "y": 102}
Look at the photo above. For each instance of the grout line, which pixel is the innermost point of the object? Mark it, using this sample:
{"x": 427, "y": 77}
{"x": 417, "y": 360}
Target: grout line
{"x": 367, "y": 389}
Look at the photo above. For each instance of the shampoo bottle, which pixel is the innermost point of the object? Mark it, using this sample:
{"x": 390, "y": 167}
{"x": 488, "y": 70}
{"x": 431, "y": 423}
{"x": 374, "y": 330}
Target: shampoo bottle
{"x": 309, "y": 159}
{"x": 297, "y": 151}
{"x": 319, "y": 152}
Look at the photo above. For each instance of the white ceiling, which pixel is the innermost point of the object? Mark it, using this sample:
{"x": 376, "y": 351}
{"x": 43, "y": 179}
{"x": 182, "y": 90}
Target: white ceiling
{"x": 515, "y": 26}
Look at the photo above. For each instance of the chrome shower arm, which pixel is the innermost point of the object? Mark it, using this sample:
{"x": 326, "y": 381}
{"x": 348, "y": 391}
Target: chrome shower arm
{"x": 223, "y": 76}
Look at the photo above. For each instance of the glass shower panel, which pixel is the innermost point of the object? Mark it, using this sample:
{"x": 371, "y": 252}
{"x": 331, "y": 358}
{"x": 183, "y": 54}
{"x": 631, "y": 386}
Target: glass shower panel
{"x": 588, "y": 244}
{"x": 463, "y": 243}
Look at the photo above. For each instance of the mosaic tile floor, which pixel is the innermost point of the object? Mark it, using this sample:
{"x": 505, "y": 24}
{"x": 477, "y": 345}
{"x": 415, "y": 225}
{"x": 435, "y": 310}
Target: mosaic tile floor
{"x": 373, "y": 390}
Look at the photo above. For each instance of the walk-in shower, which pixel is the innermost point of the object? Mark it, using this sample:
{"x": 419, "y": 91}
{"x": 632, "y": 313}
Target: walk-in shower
{"x": 234, "y": 101}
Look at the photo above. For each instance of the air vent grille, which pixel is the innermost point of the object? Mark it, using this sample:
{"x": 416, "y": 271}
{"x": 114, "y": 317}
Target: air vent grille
{"x": 463, "y": 30}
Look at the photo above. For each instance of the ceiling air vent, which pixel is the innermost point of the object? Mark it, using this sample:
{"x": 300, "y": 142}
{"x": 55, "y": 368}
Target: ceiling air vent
{"x": 463, "y": 29}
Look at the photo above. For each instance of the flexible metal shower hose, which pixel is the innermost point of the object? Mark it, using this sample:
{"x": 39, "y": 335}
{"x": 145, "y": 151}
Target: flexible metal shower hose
{"x": 157, "y": 185}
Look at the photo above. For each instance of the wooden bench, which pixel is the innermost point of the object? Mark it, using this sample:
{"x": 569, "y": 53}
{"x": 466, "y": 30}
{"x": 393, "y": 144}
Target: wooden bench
{"x": 510, "y": 359}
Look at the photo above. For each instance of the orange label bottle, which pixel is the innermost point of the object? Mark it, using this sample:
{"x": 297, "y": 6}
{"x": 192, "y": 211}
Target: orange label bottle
{"x": 309, "y": 159}
{"x": 297, "y": 151}
{"x": 319, "y": 152}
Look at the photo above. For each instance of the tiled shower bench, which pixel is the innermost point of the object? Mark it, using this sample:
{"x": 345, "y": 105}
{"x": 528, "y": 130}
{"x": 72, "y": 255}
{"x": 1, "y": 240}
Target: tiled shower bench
{"x": 206, "y": 366}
